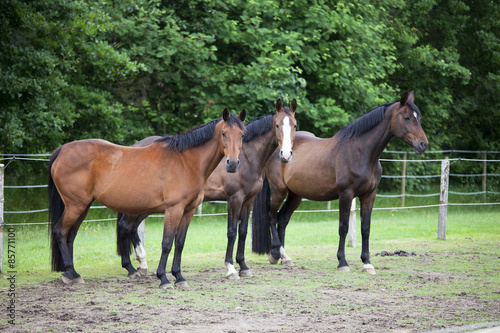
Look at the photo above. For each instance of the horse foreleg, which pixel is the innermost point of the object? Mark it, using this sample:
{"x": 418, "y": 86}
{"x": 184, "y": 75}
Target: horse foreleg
{"x": 242, "y": 236}
{"x": 172, "y": 220}
{"x": 344, "y": 212}
{"x": 233, "y": 212}
{"x": 180, "y": 238}
{"x": 291, "y": 204}
{"x": 366, "y": 213}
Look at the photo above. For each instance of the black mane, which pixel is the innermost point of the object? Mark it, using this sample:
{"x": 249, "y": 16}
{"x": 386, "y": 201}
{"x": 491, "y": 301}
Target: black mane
{"x": 198, "y": 135}
{"x": 364, "y": 123}
{"x": 261, "y": 125}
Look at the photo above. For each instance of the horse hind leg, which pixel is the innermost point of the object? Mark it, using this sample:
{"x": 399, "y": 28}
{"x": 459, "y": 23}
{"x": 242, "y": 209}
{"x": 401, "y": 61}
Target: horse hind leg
{"x": 291, "y": 204}
{"x": 65, "y": 239}
{"x": 139, "y": 244}
{"x": 124, "y": 231}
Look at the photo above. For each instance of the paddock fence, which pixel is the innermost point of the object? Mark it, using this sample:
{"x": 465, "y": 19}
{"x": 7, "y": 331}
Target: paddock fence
{"x": 477, "y": 176}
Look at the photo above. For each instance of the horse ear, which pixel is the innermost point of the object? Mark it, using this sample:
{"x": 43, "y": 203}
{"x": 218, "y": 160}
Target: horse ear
{"x": 293, "y": 107}
{"x": 279, "y": 106}
{"x": 242, "y": 114}
{"x": 225, "y": 114}
{"x": 411, "y": 97}
{"x": 404, "y": 99}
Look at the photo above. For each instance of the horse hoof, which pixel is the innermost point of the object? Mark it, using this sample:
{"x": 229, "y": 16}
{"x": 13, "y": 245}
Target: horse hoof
{"x": 344, "y": 269}
{"x": 66, "y": 280}
{"x": 143, "y": 271}
{"x": 246, "y": 273}
{"x": 287, "y": 262}
{"x": 232, "y": 276}
{"x": 272, "y": 259}
{"x": 181, "y": 284}
{"x": 368, "y": 268}
{"x": 135, "y": 275}
{"x": 78, "y": 280}
{"x": 166, "y": 286}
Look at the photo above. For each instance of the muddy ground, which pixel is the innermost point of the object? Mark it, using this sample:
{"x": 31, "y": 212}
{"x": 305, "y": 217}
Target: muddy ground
{"x": 276, "y": 299}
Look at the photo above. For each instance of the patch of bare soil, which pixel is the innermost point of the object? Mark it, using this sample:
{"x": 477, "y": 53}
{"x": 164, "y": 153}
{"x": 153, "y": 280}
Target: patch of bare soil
{"x": 258, "y": 304}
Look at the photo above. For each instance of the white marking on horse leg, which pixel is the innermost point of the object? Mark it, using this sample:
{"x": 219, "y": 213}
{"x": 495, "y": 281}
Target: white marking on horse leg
{"x": 285, "y": 260}
{"x": 140, "y": 255}
{"x": 368, "y": 268}
{"x": 232, "y": 274}
{"x": 287, "y": 140}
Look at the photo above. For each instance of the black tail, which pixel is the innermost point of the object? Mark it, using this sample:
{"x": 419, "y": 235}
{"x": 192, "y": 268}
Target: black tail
{"x": 56, "y": 211}
{"x": 261, "y": 233}
{"x": 123, "y": 242}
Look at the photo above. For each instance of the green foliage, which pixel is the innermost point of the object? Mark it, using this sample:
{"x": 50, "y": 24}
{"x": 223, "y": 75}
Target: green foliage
{"x": 122, "y": 70}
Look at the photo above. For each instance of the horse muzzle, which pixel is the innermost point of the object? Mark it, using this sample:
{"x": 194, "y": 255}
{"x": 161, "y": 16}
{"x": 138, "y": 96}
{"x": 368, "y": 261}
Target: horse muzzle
{"x": 232, "y": 165}
{"x": 285, "y": 158}
{"x": 420, "y": 147}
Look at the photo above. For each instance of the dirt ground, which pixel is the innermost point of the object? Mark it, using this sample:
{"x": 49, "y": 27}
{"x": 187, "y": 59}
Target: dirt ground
{"x": 258, "y": 304}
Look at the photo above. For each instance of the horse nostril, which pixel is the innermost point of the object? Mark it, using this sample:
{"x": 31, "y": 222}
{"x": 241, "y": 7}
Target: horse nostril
{"x": 423, "y": 145}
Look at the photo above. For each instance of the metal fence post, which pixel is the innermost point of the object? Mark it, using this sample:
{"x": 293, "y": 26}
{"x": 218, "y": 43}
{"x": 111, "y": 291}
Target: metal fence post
{"x": 443, "y": 198}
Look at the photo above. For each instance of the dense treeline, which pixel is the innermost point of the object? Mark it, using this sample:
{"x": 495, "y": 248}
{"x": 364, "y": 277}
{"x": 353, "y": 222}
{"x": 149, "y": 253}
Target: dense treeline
{"x": 123, "y": 70}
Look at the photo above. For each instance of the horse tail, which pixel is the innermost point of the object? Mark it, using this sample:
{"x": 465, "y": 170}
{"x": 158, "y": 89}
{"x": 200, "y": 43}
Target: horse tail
{"x": 261, "y": 233}
{"x": 123, "y": 241}
{"x": 56, "y": 211}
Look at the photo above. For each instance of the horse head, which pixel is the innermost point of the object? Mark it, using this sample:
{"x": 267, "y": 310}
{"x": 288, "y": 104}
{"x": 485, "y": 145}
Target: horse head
{"x": 285, "y": 126}
{"x": 232, "y": 132}
{"x": 405, "y": 124}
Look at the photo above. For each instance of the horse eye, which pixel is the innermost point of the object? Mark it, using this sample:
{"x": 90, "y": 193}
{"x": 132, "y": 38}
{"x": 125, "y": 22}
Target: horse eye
{"x": 295, "y": 127}
{"x": 223, "y": 134}
{"x": 277, "y": 126}
{"x": 407, "y": 118}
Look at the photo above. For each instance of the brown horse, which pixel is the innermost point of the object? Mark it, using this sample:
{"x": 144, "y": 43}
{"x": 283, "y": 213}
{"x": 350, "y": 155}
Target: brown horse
{"x": 167, "y": 176}
{"x": 263, "y": 137}
{"x": 342, "y": 167}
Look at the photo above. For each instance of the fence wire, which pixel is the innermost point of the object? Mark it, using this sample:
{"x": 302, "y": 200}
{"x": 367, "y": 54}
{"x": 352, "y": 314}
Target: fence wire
{"x": 43, "y": 158}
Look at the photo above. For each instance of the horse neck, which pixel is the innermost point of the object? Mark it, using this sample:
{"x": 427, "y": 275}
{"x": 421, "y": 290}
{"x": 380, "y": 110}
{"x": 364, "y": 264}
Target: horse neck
{"x": 208, "y": 155}
{"x": 376, "y": 140}
{"x": 258, "y": 151}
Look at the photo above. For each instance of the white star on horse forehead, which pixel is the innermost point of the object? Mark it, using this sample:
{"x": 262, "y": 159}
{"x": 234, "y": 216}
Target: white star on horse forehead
{"x": 415, "y": 114}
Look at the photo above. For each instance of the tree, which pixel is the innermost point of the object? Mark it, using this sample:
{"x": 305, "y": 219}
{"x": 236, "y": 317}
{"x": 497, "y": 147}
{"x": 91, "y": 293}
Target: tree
{"x": 54, "y": 70}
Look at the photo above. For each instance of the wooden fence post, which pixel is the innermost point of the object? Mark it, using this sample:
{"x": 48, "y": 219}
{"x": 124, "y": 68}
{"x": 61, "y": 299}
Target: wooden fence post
{"x": 1, "y": 216}
{"x": 443, "y": 198}
{"x": 351, "y": 234}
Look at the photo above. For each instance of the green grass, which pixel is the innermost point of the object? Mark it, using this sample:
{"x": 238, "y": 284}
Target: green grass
{"x": 470, "y": 230}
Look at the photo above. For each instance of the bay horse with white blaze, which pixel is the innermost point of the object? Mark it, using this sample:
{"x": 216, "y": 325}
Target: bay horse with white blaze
{"x": 263, "y": 137}
{"x": 342, "y": 167}
{"x": 167, "y": 176}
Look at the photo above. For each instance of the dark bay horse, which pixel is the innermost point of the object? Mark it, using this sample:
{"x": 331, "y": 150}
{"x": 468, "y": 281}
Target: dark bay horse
{"x": 263, "y": 137}
{"x": 342, "y": 167}
{"x": 167, "y": 176}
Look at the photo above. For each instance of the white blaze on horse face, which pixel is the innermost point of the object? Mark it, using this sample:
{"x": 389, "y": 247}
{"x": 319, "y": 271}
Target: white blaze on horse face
{"x": 286, "y": 147}
{"x": 415, "y": 115}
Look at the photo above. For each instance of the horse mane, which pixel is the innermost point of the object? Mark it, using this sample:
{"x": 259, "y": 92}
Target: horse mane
{"x": 198, "y": 135}
{"x": 364, "y": 123}
{"x": 261, "y": 125}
